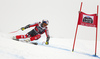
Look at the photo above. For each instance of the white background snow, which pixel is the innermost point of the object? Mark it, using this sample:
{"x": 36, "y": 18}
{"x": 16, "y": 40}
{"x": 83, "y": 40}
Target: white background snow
{"x": 59, "y": 48}
{"x": 62, "y": 16}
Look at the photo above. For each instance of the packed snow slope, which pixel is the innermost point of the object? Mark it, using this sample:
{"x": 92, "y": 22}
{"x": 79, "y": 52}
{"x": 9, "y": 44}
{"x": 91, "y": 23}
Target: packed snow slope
{"x": 59, "y": 48}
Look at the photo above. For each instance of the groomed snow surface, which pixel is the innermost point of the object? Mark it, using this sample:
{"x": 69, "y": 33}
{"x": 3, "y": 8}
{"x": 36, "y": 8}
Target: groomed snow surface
{"x": 59, "y": 48}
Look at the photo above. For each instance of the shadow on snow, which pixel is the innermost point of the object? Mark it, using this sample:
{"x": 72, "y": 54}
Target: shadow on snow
{"x": 70, "y": 50}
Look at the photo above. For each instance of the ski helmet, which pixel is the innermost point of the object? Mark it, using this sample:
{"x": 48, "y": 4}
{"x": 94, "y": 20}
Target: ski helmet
{"x": 45, "y": 22}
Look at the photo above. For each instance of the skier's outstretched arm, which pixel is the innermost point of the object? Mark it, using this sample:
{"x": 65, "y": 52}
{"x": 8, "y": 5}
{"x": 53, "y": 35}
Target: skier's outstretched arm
{"x": 29, "y": 25}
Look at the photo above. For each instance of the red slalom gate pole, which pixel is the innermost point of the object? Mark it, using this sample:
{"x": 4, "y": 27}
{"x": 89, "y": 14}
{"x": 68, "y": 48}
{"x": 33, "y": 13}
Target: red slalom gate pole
{"x": 81, "y": 6}
{"x": 76, "y": 29}
{"x": 75, "y": 38}
{"x": 96, "y": 31}
{"x": 96, "y": 42}
{"x": 97, "y": 9}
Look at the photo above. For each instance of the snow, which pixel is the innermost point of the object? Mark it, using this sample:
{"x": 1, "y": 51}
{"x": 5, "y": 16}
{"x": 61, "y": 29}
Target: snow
{"x": 62, "y": 16}
{"x": 59, "y": 48}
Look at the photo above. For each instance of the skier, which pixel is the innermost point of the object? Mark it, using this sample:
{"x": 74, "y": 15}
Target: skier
{"x": 35, "y": 33}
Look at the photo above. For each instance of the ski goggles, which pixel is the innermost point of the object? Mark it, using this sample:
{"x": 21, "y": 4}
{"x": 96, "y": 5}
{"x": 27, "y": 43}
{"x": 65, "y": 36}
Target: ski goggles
{"x": 44, "y": 24}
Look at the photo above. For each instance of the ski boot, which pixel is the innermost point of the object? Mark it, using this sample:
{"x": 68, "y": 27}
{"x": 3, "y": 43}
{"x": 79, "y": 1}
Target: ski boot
{"x": 27, "y": 40}
{"x": 14, "y": 38}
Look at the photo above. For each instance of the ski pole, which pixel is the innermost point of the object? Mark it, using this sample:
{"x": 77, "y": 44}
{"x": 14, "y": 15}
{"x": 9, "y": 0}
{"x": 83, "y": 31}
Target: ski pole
{"x": 15, "y": 31}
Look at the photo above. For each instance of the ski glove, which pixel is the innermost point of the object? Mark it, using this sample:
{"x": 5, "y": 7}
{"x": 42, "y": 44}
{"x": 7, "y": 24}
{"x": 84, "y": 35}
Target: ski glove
{"x": 46, "y": 43}
{"x": 23, "y": 28}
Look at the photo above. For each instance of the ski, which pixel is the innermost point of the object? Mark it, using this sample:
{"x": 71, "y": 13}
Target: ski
{"x": 35, "y": 43}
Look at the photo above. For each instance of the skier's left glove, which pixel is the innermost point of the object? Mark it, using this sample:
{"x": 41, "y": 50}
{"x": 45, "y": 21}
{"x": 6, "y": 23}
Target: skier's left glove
{"x": 46, "y": 43}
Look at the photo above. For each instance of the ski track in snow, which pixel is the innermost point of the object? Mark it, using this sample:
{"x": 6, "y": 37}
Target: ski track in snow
{"x": 87, "y": 54}
{"x": 6, "y": 54}
{"x": 55, "y": 47}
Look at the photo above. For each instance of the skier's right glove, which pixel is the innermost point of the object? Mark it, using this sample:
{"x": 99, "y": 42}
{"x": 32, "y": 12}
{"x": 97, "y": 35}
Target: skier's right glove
{"x": 23, "y": 28}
